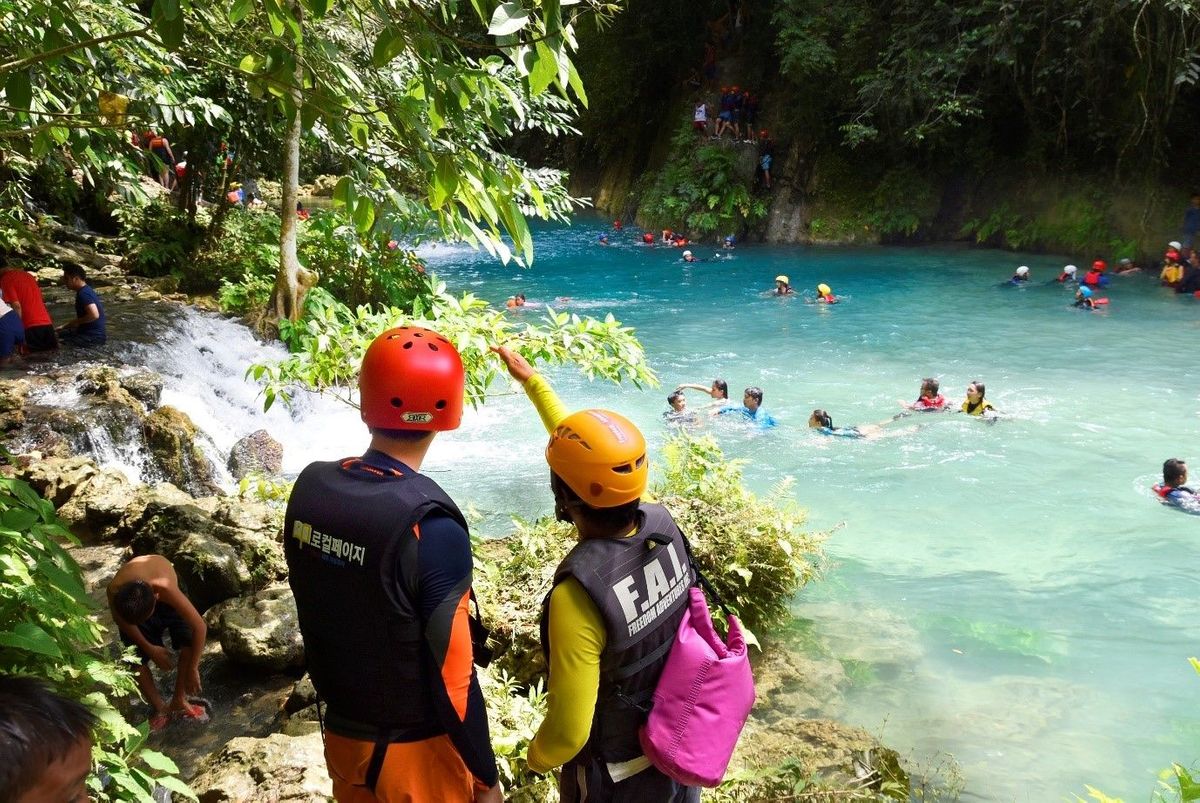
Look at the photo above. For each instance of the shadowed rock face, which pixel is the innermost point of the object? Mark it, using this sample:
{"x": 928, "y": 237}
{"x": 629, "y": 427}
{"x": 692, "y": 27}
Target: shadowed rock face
{"x": 257, "y": 453}
{"x": 171, "y": 438}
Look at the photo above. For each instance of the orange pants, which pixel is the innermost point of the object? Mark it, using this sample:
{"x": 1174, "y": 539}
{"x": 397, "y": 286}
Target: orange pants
{"x": 428, "y": 771}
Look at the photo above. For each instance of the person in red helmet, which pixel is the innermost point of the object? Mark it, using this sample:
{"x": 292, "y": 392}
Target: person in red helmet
{"x": 1095, "y": 277}
{"x": 379, "y": 560}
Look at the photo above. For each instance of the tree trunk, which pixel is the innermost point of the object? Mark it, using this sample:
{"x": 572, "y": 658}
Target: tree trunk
{"x": 286, "y": 300}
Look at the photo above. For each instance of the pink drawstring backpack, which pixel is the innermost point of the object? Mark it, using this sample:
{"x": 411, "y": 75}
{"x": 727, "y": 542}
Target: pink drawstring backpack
{"x": 703, "y": 697}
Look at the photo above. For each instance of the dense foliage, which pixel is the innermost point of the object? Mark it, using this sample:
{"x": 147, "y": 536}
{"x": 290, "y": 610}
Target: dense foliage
{"x": 49, "y": 629}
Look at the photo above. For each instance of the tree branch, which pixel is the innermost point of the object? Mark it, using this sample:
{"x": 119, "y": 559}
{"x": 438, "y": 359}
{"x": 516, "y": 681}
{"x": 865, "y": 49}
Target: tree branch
{"x": 62, "y": 51}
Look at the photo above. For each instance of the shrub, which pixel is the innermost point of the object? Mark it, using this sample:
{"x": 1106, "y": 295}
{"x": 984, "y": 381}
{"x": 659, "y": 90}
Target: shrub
{"x": 49, "y": 629}
{"x": 357, "y": 270}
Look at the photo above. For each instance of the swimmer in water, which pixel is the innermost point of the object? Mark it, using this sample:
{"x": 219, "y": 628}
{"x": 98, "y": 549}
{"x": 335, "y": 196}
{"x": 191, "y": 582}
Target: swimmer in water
{"x": 689, "y": 257}
{"x": 515, "y": 301}
{"x": 783, "y": 287}
{"x": 1021, "y": 276}
{"x": 825, "y": 294}
{"x": 929, "y": 400}
{"x": 666, "y": 236}
{"x": 976, "y": 404}
{"x": 603, "y": 239}
{"x": 823, "y": 423}
{"x": 647, "y": 238}
{"x": 679, "y": 414}
{"x": 1068, "y": 275}
{"x": 617, "y": 224}
{"x": 1173, "y": 490}
{"x": 719, "y": 391}
{"x": 729, "y": 242}
{"x": 1083, "y": 297}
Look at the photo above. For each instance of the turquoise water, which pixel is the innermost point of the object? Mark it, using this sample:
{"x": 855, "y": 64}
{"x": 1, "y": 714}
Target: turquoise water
{"x": 1009, "y": 594}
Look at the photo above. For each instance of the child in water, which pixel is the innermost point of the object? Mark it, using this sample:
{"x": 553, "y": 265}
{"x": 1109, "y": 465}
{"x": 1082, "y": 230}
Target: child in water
{"x": 783, "y": 287}
{"x": 929, "y": 399}
{"x": 825, "y": 294}
{"x": 679, "y": 415}
{"x": 823, "y": 423}
{"x": 1021, "y": 276}
{"x": 1083, "y": 297}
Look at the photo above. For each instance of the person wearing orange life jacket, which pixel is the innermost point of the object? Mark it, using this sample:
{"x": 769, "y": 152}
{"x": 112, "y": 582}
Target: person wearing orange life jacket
{"x": 1173, "y": 490}
{"x": 929, "y": 399}
{"x": 617, "y": 601}
{"x": 379, "y": 561}
{"x": 161, "y": 148}
{"x": 825, "y": 294}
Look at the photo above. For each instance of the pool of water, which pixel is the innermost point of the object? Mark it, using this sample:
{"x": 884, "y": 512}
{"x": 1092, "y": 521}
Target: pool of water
{"x": 1012, "y": 594}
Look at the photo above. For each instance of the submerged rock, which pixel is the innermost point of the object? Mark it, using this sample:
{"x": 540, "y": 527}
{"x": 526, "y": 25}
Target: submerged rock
{"x": 274, "y": 768}
{"x": 260, "y": 631}
{"x": 257, "y": 453}
{"x": 171, "y": 438}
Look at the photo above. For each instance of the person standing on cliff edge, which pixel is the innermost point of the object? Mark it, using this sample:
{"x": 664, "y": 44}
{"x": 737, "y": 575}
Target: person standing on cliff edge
{"x": 379, "y": 560}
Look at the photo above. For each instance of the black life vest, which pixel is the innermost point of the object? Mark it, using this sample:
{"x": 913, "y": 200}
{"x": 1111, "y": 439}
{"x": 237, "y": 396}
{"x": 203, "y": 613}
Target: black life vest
{"x": 640, "y": 586}
{"x": 348, "y": 533}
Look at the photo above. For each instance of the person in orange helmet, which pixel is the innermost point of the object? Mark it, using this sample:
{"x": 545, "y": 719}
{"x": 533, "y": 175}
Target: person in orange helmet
{"x": 606, "y": 626}
{"x": 379, "y": 560}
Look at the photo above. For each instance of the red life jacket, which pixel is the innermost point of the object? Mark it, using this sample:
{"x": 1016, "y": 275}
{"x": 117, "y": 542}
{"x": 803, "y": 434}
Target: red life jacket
{"x": 647, "y": 237}
{"x": 1163, "y": 491}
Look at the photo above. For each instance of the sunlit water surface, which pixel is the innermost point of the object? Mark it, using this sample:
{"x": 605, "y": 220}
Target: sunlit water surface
{"x": 1010, "y": 594}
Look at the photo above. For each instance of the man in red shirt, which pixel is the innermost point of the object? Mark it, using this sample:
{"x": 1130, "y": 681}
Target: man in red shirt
{"x": 20, "y": 290}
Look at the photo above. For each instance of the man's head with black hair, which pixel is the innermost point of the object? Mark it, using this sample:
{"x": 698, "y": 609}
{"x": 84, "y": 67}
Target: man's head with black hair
{"x": 752, "y": 398}
{"x": 45, "y": 744}
{"x": 134, "y": 602}
{"x": 71, "y": 272}
{"x": 1174, "y": 472}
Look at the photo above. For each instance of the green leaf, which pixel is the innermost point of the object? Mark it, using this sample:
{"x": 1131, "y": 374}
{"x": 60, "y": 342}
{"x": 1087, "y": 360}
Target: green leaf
{"x": 158, "y": 762}
{"x": 18, "y": 90}
{"x": 344, "y": 193}
{"x": 364, "y": 215}
{"x": 543, "y": 70}
{"x": 318, "y": 8}
{"x": 31, "y": 638}
{"x": 508, "y": 19}
{"x": 388, "y": 45}
{"x": 171, "y": 31}
{"x": 173, "y": 784}
{"x": 240, "y": 10}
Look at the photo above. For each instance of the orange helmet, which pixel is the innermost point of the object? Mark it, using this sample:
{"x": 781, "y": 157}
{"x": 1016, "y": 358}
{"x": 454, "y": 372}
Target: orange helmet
{"x": 601, "y": 456}
{"x": 1100, "y": 265}
{"x": 411, "y": 378}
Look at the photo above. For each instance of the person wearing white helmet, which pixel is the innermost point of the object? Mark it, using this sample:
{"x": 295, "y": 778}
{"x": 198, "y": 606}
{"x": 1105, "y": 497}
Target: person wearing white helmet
{"x": 688, "y": 256}
{"x": 1068, "y": 275}
{"x": 1021, "y": 276}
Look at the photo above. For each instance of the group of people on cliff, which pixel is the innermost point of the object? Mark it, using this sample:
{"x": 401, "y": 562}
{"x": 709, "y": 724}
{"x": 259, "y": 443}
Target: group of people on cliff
{"x": 26, "y": 327}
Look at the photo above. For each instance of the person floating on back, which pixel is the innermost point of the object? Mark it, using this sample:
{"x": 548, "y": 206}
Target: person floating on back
{"x": 750, "y": 410}
{"x": 1173, "y": 489}
{"x": 88, "y": 327}
{"x": 146, "y": 604}
{"x": 45, "y": 744}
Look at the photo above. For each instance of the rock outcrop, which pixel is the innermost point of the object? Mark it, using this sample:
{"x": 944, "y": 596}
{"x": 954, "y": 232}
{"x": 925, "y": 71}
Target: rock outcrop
{"x": 171, "y": 439}
{"x": 260, "y": 631}
{"x": 257, "y": 453}
{"x": 266, "y": 770}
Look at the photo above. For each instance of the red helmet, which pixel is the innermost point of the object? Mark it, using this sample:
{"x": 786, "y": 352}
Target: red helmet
{"x": 1172, "y": 254}
{"x": 411, "y": 378}
{"x": 1100, "y": 265}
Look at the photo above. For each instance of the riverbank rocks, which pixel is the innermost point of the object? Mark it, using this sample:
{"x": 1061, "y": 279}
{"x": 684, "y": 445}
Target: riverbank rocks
{"x": 12, "y": 404}
{"x": 171, "y": 439}
{"x": 260, "y": 631}
{"x": 145, "y": 386}
{"x": 257, "y": 453}
{"x": 274, "y": 768}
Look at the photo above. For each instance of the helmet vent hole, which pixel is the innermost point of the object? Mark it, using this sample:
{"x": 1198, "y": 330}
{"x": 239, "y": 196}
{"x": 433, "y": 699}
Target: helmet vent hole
{"x": 641, "y": 461}
{"x": 408, "y": 345}
{"x": 396, "y": 402}
{"x": 393, "y": 337}
{"x": 596, "y": 489}
{"x": 418, "y": 334}
{"x": 441, "y": 405}
{"x": 432, "y": 347}
{"x": 624, "y": 468}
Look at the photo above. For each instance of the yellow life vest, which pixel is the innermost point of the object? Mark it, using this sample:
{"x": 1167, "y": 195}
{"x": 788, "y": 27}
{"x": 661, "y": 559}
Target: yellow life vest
{"x": 979, "y": 409}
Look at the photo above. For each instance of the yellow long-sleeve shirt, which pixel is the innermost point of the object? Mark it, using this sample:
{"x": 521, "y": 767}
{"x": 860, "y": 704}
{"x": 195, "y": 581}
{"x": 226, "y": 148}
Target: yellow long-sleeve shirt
{"x": 577, "y": 640}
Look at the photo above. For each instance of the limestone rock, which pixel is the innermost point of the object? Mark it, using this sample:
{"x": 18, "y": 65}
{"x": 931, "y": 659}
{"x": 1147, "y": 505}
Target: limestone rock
{"x": 171, "y": 438}
{"x": 148, "y": 295}
{"x": 103, "y": 382}
{"x": 95, "y": 509}
{"x": 324, "y": 185}
{"x": 12, "y": 404}
{"x": 260, "y": 631}
{"x": 57, "y": 478}
{"x": 149, "y": 501}
{"x": 267, "y": 770}
{"x": 145, "y": 386}
{"x": 257, "y": 453}
{"x": 303, "y": 695}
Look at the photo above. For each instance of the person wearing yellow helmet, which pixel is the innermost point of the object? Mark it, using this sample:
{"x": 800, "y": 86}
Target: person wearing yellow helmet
{"x": 783, "y": 287}
{"x": 617, "y": 601}
{"x": 825, "y": 294}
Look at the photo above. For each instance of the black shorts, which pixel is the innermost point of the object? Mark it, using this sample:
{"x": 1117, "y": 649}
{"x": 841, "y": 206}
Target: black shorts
{"x": 41, "y": 338}
{"x": 580, "y": 781}
{"x": 165, "y": 619}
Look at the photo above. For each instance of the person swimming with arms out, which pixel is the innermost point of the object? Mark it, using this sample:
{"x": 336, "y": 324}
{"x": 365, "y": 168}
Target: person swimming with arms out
{"x": 823, "y": 423}
{"x": 976, "y": 404}
{"x": 719, "y": 391}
